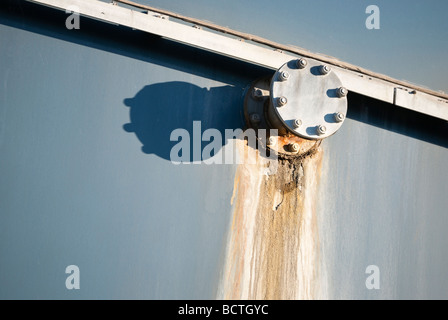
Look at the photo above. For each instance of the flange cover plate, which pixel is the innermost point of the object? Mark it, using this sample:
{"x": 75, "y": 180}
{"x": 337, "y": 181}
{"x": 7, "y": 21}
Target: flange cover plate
{"x": 312, "y": 99}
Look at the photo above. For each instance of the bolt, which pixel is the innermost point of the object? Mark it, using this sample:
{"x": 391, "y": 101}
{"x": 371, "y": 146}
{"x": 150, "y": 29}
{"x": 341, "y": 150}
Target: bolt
{"x": 342, "y": 92}
{"x": 255, "y": 118}
{"x": 294, "y": 147}
{"x": 271, "y": 140}
{"x": 297, "y": 123}
{"x": 281, "y": 101}
{"x": 339, "y": 117}
{"x": 301, "y": 63}
{"x": 284, "y": 75}
{"x": 321, "y": 130}
{"x": 324, "y": 69}
{"x": 257, "y": 93}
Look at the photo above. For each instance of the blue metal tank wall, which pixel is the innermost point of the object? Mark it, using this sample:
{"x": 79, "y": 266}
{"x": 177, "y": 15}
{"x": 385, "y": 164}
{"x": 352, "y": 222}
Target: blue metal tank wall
{"x": 383, "y": 202}
{"x": 86, "y": 178}
{"x": 86, "y": 117}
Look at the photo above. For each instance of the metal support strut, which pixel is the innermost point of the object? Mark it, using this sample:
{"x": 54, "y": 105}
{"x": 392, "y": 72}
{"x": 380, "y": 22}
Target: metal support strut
{"x": 355, "y": 79}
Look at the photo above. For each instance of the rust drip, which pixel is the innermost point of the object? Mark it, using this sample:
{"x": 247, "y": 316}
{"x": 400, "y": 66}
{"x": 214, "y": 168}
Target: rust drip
{"x": 273, "y": 240}
{"x": 306, "y": 147}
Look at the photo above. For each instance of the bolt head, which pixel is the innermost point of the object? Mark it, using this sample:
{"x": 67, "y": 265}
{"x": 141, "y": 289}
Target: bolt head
{"x": 342, "y": 92}
{"x": 257, "y": 93}
{"x": 339, "y": 117}
{"x": 255, "y": 118}
{"x": 294, "y": 147}
{"x": 321, "y": 130}
{"x": 284, "y": 75}
{"x": 325, "y": 69}
{"x": 271, "y": 140}
{"x": 281, "y": 101}
{"x": 302, "y": 63}
{"x": 297, "y": 123}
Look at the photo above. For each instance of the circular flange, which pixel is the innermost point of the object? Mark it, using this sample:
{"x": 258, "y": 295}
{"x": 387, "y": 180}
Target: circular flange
{"x": 313, "y": 99}
{"x": 256, "y": 104}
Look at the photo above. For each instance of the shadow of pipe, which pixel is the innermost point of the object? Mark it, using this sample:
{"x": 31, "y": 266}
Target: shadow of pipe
{"x": 163, "y": 52}
{"x": 157, "y": 110}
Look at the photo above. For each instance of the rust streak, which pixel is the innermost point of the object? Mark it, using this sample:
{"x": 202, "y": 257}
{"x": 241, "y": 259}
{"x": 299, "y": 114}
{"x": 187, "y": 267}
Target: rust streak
{"x": 272, "y": 246}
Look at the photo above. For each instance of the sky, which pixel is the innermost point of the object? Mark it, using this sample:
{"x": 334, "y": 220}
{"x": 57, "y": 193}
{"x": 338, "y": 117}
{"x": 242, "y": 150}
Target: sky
{"x": 410, "y": 45}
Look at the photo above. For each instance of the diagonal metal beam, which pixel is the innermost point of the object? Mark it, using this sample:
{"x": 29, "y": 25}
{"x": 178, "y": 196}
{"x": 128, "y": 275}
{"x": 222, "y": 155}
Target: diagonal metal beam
{"x": 354, "y": 78}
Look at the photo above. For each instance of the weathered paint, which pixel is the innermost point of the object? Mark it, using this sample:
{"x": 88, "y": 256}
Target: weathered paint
{"x": 306, "y": 147}
{"x": 77, "y": 188}
{"x": 273, "y": 242}
{"x": 259, "y": 105}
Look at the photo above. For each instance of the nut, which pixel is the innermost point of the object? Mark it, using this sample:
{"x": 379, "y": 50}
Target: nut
{"x": 339, "y": 117}
{"x": 255, "y": 118}
{"x": 321, "y": 130}
{"x": 342, "y": 92}
{"x": 257, "y": 93}
{"x": 297, "y": 123}
{"x": 281, "y": 101}
{"x": 325, "y": 69}
{"x": 294, "y": 147}
{"x": 302, "y": 63}
{"x": 284, "y": 75}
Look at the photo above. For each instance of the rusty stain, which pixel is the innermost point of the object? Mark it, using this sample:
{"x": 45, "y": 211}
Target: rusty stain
{"x": 258, "y": 105}
{"x": 306, "y": 147}
{"x": 235, "y": 186}
{"x": 272, "y": 245}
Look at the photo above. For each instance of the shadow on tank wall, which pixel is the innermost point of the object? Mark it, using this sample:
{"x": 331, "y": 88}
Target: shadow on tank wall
{"x": 396, "y": 119}
{"x": 123, "y": 41}
{"x": 158, "y": 109}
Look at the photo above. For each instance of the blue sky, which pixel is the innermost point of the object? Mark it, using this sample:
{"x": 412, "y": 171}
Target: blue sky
{"x": 411, "y": 44}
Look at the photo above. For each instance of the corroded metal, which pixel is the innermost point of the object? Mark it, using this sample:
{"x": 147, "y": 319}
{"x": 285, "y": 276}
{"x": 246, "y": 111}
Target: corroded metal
{"x": 273, "y": 246}
{"x": 257, "y": 103}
